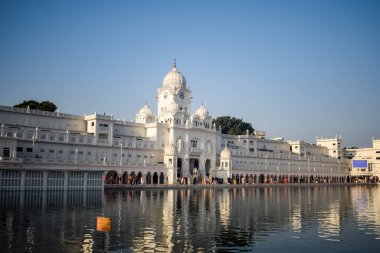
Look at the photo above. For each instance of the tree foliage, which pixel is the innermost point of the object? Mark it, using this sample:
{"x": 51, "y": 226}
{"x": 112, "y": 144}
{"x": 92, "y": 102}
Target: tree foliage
{"x": 232, "y": 125}
{"x": 43, "y": 106}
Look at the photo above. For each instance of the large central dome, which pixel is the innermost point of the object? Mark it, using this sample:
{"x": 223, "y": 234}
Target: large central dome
{"x": 174, "y": 79}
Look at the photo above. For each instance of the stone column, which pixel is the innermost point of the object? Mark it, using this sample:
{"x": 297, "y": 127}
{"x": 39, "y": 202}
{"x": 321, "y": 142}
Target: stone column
{"x": 45, "y": 179}
{"x": 66, "y": 180}
{"x": 171, "y": 175}
{"x": 85, "y": 180}
{"x": 22, "y": 183}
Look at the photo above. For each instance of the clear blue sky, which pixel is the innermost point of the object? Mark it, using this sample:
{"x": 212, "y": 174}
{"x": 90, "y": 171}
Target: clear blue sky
{"x": 296, "y": 69}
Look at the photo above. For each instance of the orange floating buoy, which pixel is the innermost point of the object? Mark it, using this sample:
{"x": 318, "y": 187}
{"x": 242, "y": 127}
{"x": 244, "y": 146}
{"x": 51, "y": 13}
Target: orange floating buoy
{"x": 103, "y": 224}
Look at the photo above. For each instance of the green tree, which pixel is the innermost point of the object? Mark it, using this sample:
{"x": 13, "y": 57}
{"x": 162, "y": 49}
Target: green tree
{"x": 43, "y": 106}
{"x": 232, "y": 125}
{"x": 47, "y": 106}
{"x": 33, "y": 104}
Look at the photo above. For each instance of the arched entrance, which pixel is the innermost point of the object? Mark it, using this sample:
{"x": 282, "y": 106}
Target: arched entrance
{"x": 193, "y": 163}
{"x": 132, "y": 178}
{"x": 125, "y": 178}
{"x": 262, "y": 178}
{"x": 208, "y": 167}
{"x": 155, "y": 178}
{"x": 111, "y": 177}
{"x": 148, "y": 178}
{"x": 179, "y": 168}
{"x": 162, "y": 178}
{"x": 138, "y": 178}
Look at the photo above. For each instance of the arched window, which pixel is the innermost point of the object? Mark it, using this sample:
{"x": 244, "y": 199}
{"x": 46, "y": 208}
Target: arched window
{"x": 179, "y": 145}
{"x": 194, "y": 144}
{"x": 208, "y": 147}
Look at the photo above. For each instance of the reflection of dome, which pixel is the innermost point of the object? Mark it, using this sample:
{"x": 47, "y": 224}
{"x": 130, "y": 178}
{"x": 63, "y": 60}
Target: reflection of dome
{"x": 225, "y": 154}
{"x": 202, "y": 112}
{"x": 174, "y": 79}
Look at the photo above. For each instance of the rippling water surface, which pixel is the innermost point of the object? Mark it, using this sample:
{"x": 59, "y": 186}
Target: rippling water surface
{"x": 286, "y": 219}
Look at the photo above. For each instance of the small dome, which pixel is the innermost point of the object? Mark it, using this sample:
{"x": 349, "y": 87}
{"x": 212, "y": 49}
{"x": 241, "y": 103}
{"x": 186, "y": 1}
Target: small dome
{"x": 202, "y": 112}
{"x": 145, "y": 111}
{"x": 145, "y": 115}
{"x": 225, "y": 154}
{"x": 174, "y": 79}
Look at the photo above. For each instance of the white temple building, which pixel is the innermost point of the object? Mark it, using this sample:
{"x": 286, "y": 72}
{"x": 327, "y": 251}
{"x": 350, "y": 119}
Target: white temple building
{"x": 53, "y": 150}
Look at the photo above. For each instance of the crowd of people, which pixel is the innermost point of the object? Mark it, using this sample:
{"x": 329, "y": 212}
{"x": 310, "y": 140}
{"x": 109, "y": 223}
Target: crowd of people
{"x": 138, "y": 180}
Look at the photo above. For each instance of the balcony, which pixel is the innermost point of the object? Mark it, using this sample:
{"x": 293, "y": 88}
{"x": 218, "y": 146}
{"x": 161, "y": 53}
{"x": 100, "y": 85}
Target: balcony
{"x": 195, "y": 151}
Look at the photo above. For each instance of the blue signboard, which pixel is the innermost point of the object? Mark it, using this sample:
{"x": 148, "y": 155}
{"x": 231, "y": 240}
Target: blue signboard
{"x": 359, "y": 164}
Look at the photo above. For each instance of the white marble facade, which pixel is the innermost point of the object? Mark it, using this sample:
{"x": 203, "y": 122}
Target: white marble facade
{"x": 174, "y": 143}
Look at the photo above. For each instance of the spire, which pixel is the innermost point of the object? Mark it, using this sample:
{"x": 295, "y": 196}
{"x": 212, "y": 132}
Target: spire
{"x": 174, "y": 63}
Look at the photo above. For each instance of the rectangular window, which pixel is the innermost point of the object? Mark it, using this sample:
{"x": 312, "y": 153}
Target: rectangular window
{"x": 88, "y": 153}
{"x": 29, "y": 135}
{"x": 103, "y": 136}
{"x": 51, "y": 151}
{"x": 42, "y": 150}
{"x": 60, "y": 151}
{"x": 29, "y": 149}
{"x": 19, "y": 149}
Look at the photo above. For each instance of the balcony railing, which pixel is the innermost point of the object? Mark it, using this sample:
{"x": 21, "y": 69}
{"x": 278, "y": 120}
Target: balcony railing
{"x": 9, "y": 160}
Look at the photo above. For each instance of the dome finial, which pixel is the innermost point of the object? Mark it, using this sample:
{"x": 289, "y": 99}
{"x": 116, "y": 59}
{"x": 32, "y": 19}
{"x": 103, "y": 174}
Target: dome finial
{"x": 174, "y": 63}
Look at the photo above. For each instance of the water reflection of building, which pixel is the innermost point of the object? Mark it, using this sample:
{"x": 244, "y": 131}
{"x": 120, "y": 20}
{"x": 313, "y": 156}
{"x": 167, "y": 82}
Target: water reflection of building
{"x": 35, "y": 217}
{"x": 168, "y": 219}
{"x": 329, "y": 222}
{"x": 200, "y": 220}
{"x": 43, "y": 200}
{"x": 223, "y": 202}
{"x": 183, "y": 220}
{"x": 367, "y": 209}
{"x": 296, "y": 219}
{"x": 88, "y": 243}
